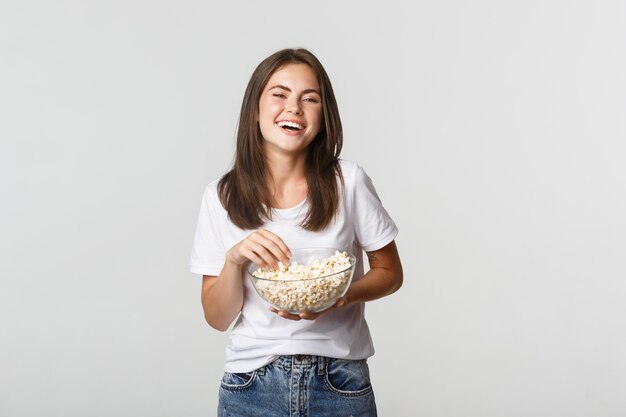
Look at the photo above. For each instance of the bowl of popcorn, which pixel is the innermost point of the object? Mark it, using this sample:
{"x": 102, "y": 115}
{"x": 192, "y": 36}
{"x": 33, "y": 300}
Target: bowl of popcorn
{"x": 312, "y": 282}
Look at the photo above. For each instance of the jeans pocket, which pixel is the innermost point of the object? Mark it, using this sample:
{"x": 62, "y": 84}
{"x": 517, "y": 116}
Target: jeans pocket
{"x": 238, "y": 381}
{"x": 348, "y": 377}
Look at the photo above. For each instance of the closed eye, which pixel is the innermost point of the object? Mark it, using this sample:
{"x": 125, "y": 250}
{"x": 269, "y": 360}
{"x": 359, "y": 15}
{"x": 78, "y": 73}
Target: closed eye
{"x": 279, "y": 95}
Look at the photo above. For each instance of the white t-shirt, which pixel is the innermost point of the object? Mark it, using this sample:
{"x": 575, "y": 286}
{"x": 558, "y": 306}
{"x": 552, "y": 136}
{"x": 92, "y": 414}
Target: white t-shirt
{"x": 259, "y": 336}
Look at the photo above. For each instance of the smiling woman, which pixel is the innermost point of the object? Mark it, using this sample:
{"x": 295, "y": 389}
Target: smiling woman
{"x": 288, "y": 189}
{"x": 288, "y": 86}
{"x": 290, "y": 110}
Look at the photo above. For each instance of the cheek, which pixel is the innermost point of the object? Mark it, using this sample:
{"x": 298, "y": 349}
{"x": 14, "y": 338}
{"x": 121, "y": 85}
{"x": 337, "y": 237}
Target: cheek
{"x": 318, "y": 121}
{"x": 266, "y": 108}
{"x": 265, "y": 127}
{"x": 266, "y": 117}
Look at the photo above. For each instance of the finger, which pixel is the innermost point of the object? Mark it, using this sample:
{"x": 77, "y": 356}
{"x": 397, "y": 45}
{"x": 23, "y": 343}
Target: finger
{"x": 251, "y": 255}
{"x": 342, "y": 302}
{"x": 258, "y": 254}
{"x": 285, "y": 314}
{"x": 275, "y": 244}
{"x": 278, "y": 249}
{"x": 257, "y": 243}
{"x": 310, "y": 316}
{"x": 268, "y": 259}
{"x": 274, "y": 238}
{"x": 304, "y": 316}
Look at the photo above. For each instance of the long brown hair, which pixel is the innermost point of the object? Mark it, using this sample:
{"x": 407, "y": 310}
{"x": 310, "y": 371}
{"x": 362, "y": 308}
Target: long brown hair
{"x": 244, "y": 191}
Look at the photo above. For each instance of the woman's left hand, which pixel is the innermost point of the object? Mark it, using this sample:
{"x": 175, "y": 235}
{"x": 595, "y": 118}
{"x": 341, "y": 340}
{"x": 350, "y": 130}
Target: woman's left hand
{"x": 308, "y": 316}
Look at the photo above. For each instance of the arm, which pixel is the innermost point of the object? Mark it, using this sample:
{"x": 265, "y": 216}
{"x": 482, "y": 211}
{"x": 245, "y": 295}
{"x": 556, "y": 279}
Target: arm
{"x": 222, "y": 296}
{"x": 384, "y": 277}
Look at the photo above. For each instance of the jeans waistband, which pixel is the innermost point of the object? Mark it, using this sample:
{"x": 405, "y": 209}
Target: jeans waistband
{"x": 287, "y": 361}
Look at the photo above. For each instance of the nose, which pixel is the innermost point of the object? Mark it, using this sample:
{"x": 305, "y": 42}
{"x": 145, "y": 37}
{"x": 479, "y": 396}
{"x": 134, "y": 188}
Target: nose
{"x": 293, "y": 106}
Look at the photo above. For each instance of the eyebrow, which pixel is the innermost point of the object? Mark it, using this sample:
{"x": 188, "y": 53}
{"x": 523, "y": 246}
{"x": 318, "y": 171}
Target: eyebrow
{"x": 309, "y": 90}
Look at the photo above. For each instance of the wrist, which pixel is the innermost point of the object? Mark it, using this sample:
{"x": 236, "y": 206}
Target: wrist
{"x": 233, "y": 260}
{"x": 232, "y": 264}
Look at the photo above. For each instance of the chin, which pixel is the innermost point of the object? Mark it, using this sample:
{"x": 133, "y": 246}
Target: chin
{"x": 289, "y": 148}
{"x": 284, "y": 141}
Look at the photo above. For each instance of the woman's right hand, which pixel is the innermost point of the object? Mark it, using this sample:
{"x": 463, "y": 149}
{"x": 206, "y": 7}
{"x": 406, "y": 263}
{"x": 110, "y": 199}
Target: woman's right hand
{"x": 262, "y": 247}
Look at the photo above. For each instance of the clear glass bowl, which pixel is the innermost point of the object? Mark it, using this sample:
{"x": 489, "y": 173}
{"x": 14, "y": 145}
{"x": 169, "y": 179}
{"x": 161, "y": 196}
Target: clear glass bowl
{"x": 304, "y": 295}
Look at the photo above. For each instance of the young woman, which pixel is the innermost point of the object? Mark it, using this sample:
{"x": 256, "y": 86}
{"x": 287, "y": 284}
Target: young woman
{"x": 288, "y": 189}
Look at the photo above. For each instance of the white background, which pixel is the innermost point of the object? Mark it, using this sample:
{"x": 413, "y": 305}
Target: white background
{"x": 494, "y": 132}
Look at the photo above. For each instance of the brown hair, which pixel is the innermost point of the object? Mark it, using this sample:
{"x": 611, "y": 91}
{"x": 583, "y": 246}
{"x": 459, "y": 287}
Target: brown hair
{"x": 244, "y": 191}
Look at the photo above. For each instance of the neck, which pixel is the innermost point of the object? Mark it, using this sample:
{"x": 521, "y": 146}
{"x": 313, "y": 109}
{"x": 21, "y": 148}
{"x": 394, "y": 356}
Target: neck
{"x": 288, "y": 183}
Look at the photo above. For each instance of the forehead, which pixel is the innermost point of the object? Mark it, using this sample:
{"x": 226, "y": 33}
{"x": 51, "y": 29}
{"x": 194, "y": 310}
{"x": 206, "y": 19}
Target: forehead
{"x": 294, "y": 76}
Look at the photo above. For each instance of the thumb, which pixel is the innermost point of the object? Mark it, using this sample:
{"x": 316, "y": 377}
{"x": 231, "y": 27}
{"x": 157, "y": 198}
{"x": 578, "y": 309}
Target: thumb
{"x": 342, "y": 302}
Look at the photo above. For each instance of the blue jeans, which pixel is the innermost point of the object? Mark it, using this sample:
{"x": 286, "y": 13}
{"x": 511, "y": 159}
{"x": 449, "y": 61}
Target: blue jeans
{"x": 299, "y": 386}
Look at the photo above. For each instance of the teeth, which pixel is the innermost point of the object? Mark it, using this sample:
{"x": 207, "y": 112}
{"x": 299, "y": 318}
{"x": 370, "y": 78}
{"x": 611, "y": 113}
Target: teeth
{"x": 290, "y": 124}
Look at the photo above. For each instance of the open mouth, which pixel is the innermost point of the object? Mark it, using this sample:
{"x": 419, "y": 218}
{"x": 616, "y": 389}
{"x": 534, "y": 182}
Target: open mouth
{"x": 290, "y": 126}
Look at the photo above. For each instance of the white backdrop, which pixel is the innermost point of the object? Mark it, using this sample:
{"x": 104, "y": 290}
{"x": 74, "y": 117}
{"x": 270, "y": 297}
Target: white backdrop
{"x": 494, "y": 132}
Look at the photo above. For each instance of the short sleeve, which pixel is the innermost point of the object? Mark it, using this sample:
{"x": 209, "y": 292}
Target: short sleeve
{"x": 207, "y": 253}
{"x": 374, "y": 227}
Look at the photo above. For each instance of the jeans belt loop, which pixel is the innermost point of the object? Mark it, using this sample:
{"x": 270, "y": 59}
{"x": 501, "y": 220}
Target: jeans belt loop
{"x": 321, "y": 365}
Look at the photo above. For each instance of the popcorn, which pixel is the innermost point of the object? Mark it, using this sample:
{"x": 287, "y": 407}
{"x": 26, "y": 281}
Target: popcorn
{"x": 314, "y": 287}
